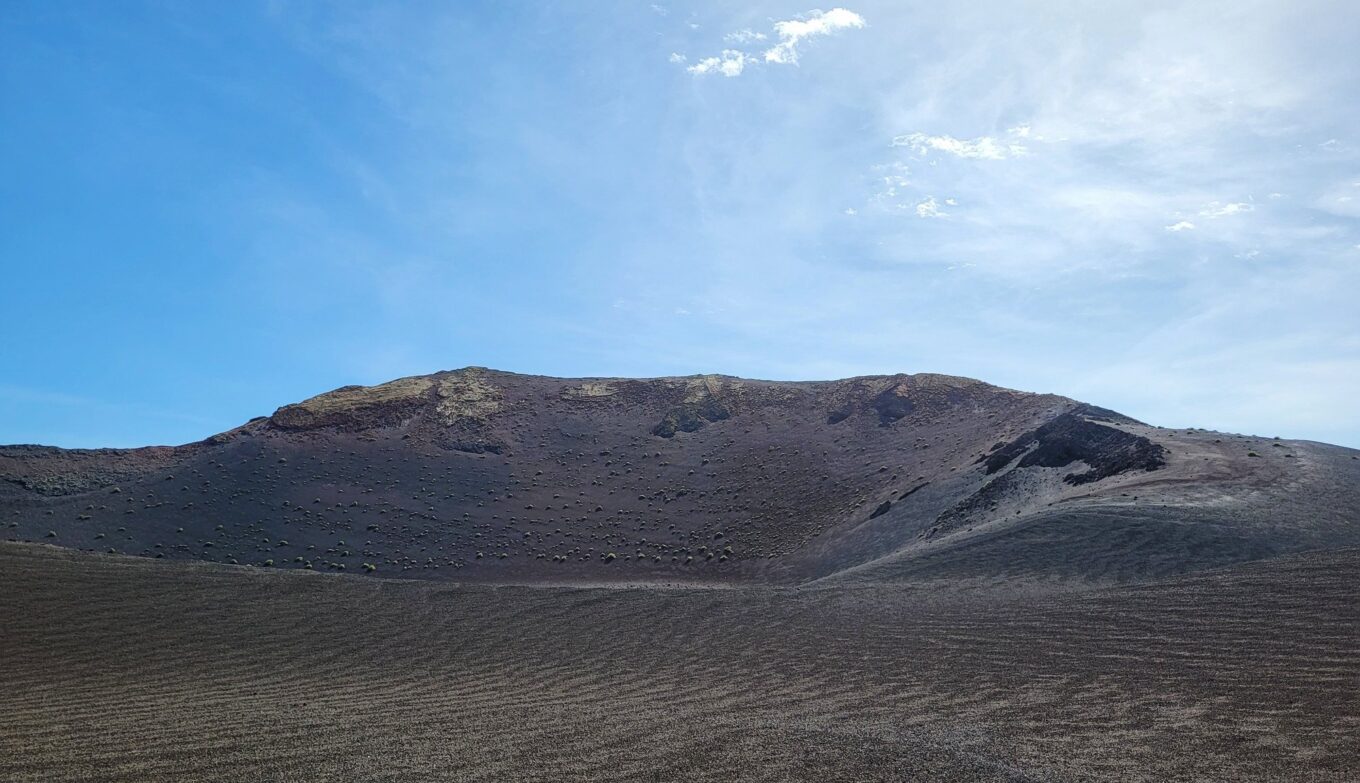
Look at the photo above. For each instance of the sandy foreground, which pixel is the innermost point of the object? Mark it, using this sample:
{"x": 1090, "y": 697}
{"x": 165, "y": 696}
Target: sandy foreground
{"x": 127, "y": 669}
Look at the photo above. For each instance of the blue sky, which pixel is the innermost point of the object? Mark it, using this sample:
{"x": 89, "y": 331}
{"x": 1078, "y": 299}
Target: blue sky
{"x": 210, "y": 210}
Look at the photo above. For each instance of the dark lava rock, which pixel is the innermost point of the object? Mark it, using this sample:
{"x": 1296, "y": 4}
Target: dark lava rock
{"x": 891, "y": 406}
{"x": 1075, "y": 436}
{"x": 691, "y": 416}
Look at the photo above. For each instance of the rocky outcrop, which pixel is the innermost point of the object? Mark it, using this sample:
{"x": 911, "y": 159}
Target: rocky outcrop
{"x": 1076, "y": 436}
{"x": 703, "y": 404}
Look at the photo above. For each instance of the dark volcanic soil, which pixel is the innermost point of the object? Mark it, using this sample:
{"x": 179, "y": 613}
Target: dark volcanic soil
{"x": 477, "y": 475}
{"x": 128, "y": 669}
{"x": 707, "y": 578}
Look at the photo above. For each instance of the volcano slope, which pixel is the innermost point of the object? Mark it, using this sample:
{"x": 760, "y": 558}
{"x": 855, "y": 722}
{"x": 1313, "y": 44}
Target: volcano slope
{"x": 706, "y": 578}
{"x": 483, "y": 476}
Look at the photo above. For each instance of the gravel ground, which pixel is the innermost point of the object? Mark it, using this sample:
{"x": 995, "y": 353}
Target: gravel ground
{"x": 129, "y": 669}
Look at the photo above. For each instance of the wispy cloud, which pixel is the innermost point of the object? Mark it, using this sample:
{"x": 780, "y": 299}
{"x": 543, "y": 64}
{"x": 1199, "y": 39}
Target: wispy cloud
{"x": 744, "y": 37}
{"x": 1121, "y": 177}
{"x": 1342, "y": 200}
{"x": 1048, "y": 204}
{"x": 730, "y": 63}
{"x": 981, "y": 147}
{"x": 1217, "y": 210}
{"x": 929, "y": 208}
{"x": 792, "y": 33}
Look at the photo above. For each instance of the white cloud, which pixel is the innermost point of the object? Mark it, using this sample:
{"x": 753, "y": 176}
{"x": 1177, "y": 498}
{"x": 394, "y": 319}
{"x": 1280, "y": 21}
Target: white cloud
{"x": 1217, "y": 210}
{"x": 743, "y": 37}
{"x": 893, "y": 176}
{"x": 792, "y": 31}
{"x": 983, "y": 147}
{"x": 1183, "y": 225}
{"x": 730, "y": 63}
{"x": 930, "y": 208}
{"x": 851, "y": 211}
{"x": 677, "y": 58}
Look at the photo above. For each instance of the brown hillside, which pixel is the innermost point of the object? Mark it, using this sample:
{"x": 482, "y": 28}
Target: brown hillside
{"x": 479, "y": 475}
